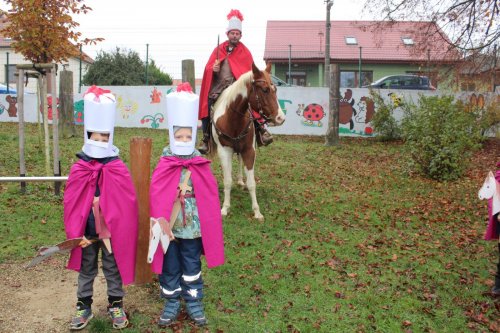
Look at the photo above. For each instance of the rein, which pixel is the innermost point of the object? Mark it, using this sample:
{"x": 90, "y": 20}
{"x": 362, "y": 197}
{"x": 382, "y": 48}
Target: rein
{"x": 251, "y": 117}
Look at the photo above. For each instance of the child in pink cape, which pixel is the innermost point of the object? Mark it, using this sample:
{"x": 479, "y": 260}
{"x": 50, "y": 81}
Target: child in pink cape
{"x": 493, "y": 233}
{"x": 197, "y": 229}
{"x": 100, "y": 204}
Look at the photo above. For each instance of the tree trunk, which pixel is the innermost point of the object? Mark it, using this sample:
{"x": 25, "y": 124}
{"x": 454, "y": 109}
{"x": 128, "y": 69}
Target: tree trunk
{"x": 67, "y": 127}
{"x": 332, "y": 134}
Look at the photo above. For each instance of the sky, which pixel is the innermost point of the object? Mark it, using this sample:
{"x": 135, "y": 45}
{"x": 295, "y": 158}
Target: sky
{"x": 189, "y": 29}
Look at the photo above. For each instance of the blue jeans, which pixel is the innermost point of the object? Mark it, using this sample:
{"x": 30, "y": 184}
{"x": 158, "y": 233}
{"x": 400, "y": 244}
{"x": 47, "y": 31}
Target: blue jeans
{"x": 181, "y": 273}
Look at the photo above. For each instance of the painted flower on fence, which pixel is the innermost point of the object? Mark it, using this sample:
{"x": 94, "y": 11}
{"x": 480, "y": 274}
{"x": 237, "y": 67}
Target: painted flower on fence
{"x": 155, "y": 120}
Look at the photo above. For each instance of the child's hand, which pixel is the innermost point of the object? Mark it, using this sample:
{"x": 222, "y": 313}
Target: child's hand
{"x": 85, "y": 242}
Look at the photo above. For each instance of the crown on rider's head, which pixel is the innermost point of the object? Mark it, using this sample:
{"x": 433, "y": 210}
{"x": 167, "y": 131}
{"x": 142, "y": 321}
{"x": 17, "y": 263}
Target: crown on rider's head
{"x": 234, "y": 20}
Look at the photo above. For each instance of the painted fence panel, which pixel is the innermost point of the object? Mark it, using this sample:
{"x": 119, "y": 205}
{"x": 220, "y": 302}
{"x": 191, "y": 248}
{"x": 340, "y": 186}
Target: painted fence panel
{"x": 306, "y": 109}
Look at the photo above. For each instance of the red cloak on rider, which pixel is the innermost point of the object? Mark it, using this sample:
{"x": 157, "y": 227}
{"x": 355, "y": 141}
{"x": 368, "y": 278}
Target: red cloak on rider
{"x": 240, "y": 60}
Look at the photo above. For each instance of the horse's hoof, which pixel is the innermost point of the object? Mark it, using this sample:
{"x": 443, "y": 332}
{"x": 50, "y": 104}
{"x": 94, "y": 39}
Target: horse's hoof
{"x": 223, "y": 212}
{"x": 259, "y": 217}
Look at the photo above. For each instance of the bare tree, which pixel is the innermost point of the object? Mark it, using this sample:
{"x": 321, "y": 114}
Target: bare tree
{"x": 468, "y": 25}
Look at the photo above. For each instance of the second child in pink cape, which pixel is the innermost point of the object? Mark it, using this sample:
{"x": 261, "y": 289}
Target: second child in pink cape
{"x": 163, "y": 192}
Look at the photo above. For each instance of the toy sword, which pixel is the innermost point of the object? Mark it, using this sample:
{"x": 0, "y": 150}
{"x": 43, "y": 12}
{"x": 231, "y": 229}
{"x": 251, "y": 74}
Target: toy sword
{"x": 69, "y": 244}
{"x": 217, "y": 48}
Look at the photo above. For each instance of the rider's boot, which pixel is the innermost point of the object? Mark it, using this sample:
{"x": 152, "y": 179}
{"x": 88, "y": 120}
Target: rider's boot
{"x": 204, "y": 148}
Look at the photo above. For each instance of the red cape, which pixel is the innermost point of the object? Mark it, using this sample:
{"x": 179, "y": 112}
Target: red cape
{"x": 118, "y": 205}
{"x": 163, "y": 192}
{"x": 240, "y": 61}
{"x": 491, "y": 230}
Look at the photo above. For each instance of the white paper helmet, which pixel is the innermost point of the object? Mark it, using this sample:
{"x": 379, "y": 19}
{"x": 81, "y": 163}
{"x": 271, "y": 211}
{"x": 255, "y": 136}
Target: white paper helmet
{"x": 99, "y": 116}
{"x": 182, "y": 112}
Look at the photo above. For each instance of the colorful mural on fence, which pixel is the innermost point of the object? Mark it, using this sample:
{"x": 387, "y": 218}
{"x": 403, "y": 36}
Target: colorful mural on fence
{"x": 49, "y": 107}
{"x": 312, "y": 114}
{"x": 12, "y": 109}
{"x": 78, "y": 112}
{"x": 145, "y": 107}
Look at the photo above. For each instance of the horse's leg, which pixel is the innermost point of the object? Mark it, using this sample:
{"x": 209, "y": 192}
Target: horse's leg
{"x": 240, "y": 181}
{"x": 251, "y": 186}
{"x": 225, "y": 156}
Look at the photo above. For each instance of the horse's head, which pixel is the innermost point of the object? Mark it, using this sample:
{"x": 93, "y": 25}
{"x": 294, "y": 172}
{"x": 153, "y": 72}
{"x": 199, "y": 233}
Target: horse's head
{"x": 263, "y": 98}
{"x": 489, "y": 187}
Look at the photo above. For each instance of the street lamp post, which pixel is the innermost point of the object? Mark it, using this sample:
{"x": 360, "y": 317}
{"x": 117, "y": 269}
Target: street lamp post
{"x": 329, "y": 4}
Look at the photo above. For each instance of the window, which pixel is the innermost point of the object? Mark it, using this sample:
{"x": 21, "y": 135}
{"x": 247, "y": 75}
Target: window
{"x": 351, "y": 41}
{"x": 350, "y": 79}
{"x": 407, "y": 41}
{"x": 298, "y": 78}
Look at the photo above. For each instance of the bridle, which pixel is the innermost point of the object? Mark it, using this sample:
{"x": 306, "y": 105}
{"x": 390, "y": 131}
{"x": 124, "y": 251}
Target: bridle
{"x": 259, "y": 105}
{"x": 250, "y": 111}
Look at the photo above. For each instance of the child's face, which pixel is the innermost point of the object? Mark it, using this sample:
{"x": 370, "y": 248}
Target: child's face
{"x": 183, "y": 134}
{"x": 100, "y": 137}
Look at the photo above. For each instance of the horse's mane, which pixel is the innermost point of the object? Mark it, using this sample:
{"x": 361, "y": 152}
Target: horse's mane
{"x": 238, "y": 87}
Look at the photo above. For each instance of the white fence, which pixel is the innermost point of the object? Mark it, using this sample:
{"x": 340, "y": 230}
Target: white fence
{"x": 306, "y": 108}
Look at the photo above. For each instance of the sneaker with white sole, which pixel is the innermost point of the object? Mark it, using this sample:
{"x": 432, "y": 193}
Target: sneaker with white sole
{"x": 118, "y": 316}
{"x": 82, "y": 316}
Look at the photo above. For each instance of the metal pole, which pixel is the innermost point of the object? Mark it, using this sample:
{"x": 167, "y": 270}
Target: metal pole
{"x": 147, "y": 62}
{"x": 289, "y": 64}
{"x": 329, "y": 5}
{"x": 359, "y": 68}
{"x": 80, "y": 77}
{"x": 33, "y": 179}
{"x": 7, "y": 74}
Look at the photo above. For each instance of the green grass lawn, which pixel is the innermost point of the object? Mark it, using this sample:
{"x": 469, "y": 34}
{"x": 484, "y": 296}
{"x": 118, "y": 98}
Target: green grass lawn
{"x": 351, "y": 242}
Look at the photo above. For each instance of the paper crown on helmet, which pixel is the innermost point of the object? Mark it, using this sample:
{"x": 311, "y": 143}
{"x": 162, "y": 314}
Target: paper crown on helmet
{"x": 182, "y": 111}
{"x": 234, "y": 20}
{"x": 99, "y": 116}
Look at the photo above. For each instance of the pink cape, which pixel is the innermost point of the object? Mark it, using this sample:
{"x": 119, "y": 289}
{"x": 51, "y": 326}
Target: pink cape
{"x": 491, "y": 230}
{"x": 118, "y": 205}
{"x": 240, "y": 62}
{"x": 163, "y": 191}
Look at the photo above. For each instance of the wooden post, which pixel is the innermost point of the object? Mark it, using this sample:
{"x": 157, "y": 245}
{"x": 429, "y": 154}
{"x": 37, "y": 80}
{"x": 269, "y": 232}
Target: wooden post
{"x": 20, "y": 115}
{"x": 55, "y": 129}
{"x": 140, "y": 157}
{"x": 43, "y": 104}
{"x": 67, "y": 118}
{"x": 332, "y": 134}
{"x": 188, "y": 72}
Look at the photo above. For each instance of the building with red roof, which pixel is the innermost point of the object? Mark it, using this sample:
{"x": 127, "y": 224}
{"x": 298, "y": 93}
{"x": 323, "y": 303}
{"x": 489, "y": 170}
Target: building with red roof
{"x": 297, "y": 50}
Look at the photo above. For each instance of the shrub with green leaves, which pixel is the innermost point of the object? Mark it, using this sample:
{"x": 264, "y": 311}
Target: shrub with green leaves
{"x": 385, "y": 125}
{"x": 440, "y": 135}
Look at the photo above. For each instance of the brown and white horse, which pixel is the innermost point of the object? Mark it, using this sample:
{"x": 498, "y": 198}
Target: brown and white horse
{"x": 252, "y": 96}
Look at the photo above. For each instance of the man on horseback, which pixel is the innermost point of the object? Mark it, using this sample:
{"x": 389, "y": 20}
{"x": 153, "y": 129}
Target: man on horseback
{"x": 226, "y": 64}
